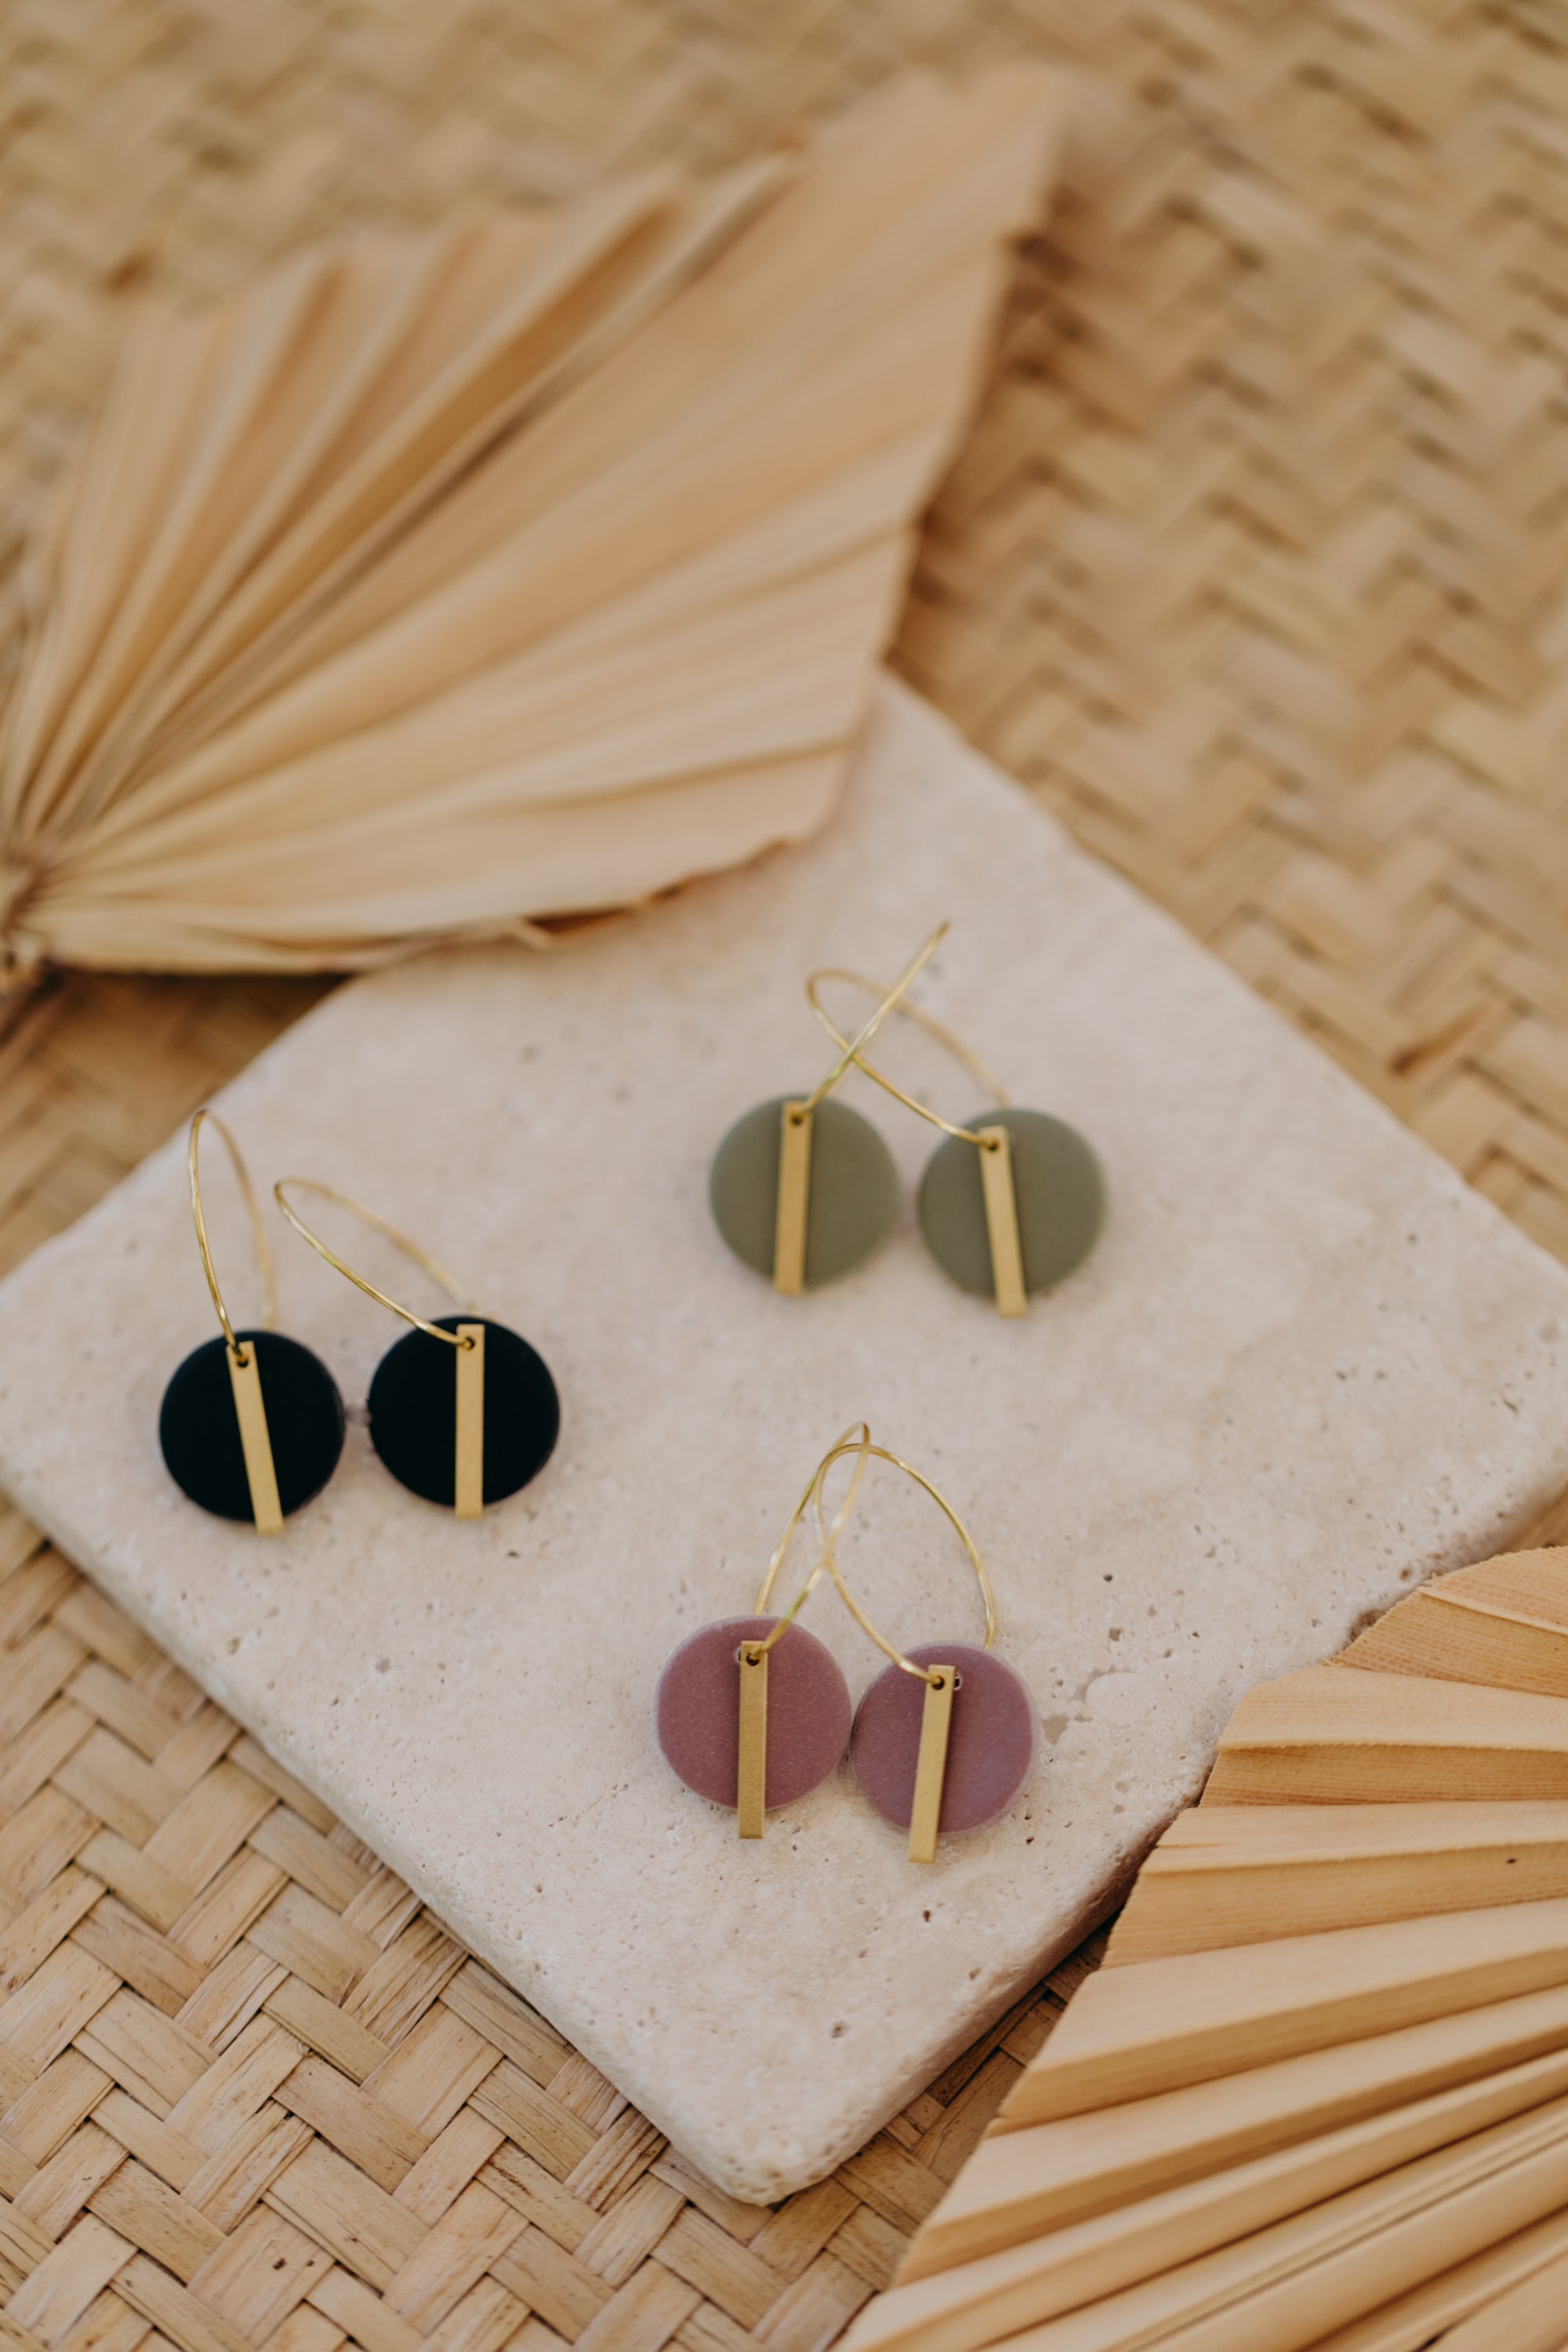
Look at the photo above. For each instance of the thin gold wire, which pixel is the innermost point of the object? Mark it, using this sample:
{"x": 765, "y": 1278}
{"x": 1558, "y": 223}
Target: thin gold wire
{"x": 391, "y": 1233}
{"x": 830, "y": 1556}
{"x": 850, "y": 1442}
{"x": 889, "y": 1003}
{"x": 258, "y": 1229}
{"x": 932, "y": 1027}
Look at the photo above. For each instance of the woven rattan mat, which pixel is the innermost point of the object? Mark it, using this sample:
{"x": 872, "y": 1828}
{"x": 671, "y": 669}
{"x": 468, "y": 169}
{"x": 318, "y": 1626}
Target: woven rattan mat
{"x": 1254, "y": 569}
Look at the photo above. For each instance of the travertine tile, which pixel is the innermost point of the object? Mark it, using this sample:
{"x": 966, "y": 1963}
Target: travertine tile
{"x": 1305, "y": 1367}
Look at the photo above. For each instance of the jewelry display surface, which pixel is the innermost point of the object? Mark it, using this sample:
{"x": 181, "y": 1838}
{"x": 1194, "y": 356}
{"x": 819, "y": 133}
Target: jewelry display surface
{"x": 1304, "y": 1366}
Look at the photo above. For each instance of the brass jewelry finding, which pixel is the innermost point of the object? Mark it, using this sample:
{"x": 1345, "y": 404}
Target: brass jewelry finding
{"x": 796, "y": 1132}
{"x": 400, "y": 1240}
{"x": 893, "y": 1001}
{"x": 469, "y": 1339}
{"x": 829, "y": 1560}
{"x": 244, "y": 1375}
{"x": 941, "y": 1678}
{"x": 751, "y": 1782}
{"x": 252, "y": 1210}
{"x": 993, "y": 1143}
{"x": 1036, "y": 1175}
{"x": 952, "y": 1762}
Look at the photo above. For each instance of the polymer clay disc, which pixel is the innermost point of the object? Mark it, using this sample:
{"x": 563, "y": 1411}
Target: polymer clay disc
{"x": 412, "y": 1409}
{"x": 198, "y": 1427}
{"x": 993, "y": 1738}
{"x": 696, "y": 1711}
{"x": 1059, "y": 1189}
{"x": 851, "y": 1203}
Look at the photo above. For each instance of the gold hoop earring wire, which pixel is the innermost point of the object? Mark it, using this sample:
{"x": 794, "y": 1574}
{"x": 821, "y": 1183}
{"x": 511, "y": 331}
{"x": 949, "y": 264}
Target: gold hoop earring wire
{"x": 389, "y": 1231}
{"x": 252, "y": 1211}
{"x": 991, "y": 1141}
{"x": 923, "y": 1020}
{"x": 857, "y": 1439}
{"x": 795, "y": 1129}
{"x": 890, "y": 1001}
{"x": 244, "y": 1373}
{"x": 468, "y": 1337}
{"x": 941, "y": 1681}
{"x": 829, "y": 1561}
{"x": 752, "y": 1755}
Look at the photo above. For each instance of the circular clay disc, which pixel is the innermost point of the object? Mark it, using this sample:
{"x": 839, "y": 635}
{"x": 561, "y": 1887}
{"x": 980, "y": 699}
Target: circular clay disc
{"x": 850, "y": 1205}
{"x": 992, "y": 1743}
{"x": 413, "y": 1412}
{"x": 1059, "y": 1188}
{"x": 198, "y": 1427}
{"x": 697, "y": 1710}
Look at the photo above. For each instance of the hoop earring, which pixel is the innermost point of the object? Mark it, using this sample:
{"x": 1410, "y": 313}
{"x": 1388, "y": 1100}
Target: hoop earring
{"x": 252, "y": 1425}
{"x": 462, "y": 1411}
{"x": 803, "y": 1188}
{"x": 754, "y": 1712}
{"x": 947, "y": 1736}
{"x": 1013, "y": 1200}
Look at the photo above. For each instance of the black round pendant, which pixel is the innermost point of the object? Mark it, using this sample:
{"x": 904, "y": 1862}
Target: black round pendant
{"x": 414, "y": 1413}
{"x": 198, "y": 1427}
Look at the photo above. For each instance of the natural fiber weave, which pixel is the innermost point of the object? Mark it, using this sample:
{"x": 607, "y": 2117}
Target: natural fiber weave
{"x": 1257, "y": 568}
{"x": 1258, "y": 563}
{"x": 252, "y": 2094}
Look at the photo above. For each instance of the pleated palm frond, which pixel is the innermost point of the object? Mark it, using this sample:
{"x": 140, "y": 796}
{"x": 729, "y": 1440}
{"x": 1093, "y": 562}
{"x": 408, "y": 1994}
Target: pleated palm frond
{"x": 525, "y": 570}
{"x": 1316, "y": 2100}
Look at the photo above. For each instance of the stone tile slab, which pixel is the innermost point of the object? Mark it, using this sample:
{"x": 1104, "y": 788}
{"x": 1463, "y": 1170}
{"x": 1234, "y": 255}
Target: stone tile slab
{"x": 1306, "y": 1367}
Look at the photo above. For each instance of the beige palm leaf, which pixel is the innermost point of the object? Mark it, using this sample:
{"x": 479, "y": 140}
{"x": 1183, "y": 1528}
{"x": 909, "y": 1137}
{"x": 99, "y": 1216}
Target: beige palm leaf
{"x": 1316, "y": 2100}
{"x": 524, "y": 570}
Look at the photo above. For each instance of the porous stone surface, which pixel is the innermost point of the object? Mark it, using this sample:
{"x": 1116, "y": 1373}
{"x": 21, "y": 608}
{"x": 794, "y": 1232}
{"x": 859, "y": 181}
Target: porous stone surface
{"x": 1303, "y": 1367}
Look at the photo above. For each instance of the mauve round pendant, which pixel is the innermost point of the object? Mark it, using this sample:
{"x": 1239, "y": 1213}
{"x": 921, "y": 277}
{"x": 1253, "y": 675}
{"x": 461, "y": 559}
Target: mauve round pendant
{"x": 696, "y": 1711}
{"x": 992, "y": 1747}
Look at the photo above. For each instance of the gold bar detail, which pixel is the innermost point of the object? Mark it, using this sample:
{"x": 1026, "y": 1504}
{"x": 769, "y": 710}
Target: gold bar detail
{"x": 751, "y": 1773}
{"x": 1002, "y": 1220}
{"x": 931, "y": 1766}
{"x": 794, "y": 1194}
{"x": 260, "y": 1471}
{"x": 469, "y": 1485}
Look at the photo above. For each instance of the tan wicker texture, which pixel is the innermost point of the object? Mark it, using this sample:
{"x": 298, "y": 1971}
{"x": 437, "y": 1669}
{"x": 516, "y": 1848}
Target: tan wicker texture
{"x": 251, "y": 2093}
{"x": 1257, "y": 568}
{"x": 1258, "y": 563}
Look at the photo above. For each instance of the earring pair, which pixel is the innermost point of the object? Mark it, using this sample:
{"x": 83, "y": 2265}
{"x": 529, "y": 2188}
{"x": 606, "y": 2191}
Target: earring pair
{"x": 804, "y": 1188}
{"x": 462, "y": 1411}
{"x": 754, "y": 1712}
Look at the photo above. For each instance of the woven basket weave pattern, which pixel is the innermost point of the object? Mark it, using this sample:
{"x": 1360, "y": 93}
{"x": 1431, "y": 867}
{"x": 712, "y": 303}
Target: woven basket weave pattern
{"x": 252, "y": 2093}
{"x": 1256, "y": 565}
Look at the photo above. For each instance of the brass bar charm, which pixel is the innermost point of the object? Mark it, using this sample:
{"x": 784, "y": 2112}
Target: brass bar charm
{"x": 469, "y": 1489}
{"x": 795, "y": 1193}
{"x": 930, "y": 1765}
{"x": 752, "y": 1777}
{"x": 1002, "y": 1220}
{"x": 260, "y": 1472}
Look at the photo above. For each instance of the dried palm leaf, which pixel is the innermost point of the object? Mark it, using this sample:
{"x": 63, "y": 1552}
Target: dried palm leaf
{"x": 524, "y": 570}
{"x": 1317, "y": 2098}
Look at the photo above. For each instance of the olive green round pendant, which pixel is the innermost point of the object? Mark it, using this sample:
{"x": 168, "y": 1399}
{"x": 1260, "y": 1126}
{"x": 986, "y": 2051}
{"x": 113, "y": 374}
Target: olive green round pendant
{"x": 851, "y": 1203}
{"x": 1057, "y": 1186}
